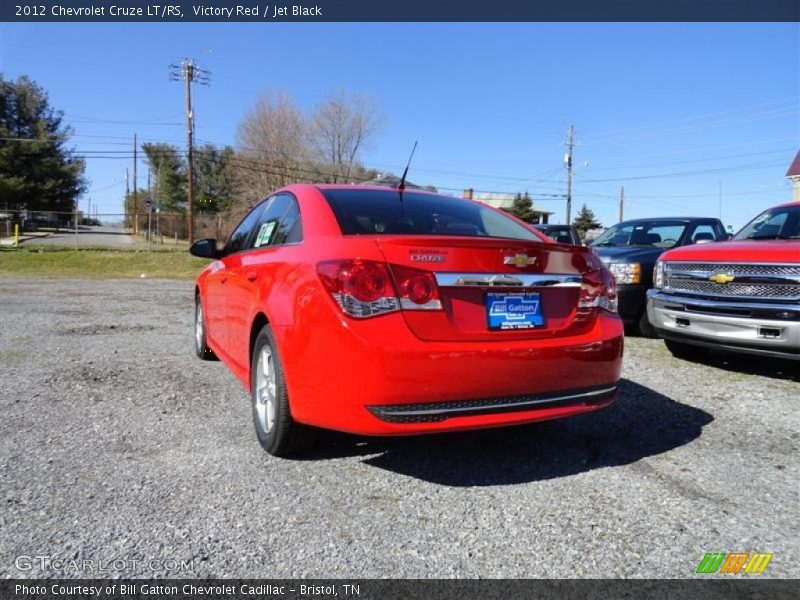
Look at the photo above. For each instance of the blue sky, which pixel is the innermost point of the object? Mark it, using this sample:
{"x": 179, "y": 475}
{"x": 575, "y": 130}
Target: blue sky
{"x": 674, "y": 112}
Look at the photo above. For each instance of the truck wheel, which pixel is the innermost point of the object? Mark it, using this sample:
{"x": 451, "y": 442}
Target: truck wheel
{"x": 200, "y": 345}
{"x": 646, "y": 329}
{"x": 277, "y": 432}
{"x": 685, "y": 351}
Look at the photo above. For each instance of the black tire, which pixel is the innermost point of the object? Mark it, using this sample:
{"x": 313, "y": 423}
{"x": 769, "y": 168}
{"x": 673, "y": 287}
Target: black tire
{"x": 646, "y": 328}
{"x": 200, "y": 345}
{"x": 685, "y": 351}
{"x": 277, "y": 432}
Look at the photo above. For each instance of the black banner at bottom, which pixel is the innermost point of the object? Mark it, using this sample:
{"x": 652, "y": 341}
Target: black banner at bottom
{"x": 728, "y": 588}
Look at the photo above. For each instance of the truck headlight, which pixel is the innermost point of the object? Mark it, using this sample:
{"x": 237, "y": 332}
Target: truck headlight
{"x": 626, "y": 272}
{"x": 658, "y": 275}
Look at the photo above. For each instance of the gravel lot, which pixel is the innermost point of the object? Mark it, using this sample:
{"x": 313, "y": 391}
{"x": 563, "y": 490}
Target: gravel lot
{"x": 116, "y": 442}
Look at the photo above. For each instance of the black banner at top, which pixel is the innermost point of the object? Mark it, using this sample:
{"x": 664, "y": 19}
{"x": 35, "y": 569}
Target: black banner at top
{"x": 272, "y": 11}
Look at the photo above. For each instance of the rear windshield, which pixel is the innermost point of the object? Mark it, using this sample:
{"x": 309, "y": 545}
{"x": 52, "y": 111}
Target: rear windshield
{"x": 387, "y": 212}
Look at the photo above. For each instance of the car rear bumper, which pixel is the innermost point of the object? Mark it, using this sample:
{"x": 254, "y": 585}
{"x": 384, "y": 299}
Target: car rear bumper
{"x": 761, "y": 329}
{"x": 382, "y": 380}
{"x": 436, "y": 412}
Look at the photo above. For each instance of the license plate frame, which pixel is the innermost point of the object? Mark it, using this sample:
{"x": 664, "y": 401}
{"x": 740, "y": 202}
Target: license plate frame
{"x": 513, "y": 311}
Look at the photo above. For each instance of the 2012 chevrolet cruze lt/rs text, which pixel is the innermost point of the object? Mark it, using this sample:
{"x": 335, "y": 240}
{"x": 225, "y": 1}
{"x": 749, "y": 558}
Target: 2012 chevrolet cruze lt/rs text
{"x": 380, "y": 311}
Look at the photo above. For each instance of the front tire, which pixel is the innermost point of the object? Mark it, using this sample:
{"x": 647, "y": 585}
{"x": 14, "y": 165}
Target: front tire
{"x": 685, "y": 351}
{"x": 200, "y": 344}
{"x": 277, "y": 432}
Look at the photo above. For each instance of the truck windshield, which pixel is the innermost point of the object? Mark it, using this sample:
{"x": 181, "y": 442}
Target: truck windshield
{"x": 773, "y": 224}
{"x": 387, "y": 212}
{"x": 661, "y": 234}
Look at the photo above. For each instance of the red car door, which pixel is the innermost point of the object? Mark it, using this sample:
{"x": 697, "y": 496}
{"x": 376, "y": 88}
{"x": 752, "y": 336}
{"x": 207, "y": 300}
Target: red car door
{"x": 250, "y": 269}
{"x": 213, "y": 300}
{"x": 217, "y": 301}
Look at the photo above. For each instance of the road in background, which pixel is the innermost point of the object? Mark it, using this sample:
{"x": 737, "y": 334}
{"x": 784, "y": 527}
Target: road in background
{"x": 87, "y": 236}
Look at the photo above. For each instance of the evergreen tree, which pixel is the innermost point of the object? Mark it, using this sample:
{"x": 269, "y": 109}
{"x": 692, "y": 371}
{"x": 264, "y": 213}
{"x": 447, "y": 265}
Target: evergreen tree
{"x": 37, "y": 171}
{"x": 213, "y": 178}
{"x": 522, "y": 208}
{"x": 585, "y": 221}
{"x": 168, "y": 171}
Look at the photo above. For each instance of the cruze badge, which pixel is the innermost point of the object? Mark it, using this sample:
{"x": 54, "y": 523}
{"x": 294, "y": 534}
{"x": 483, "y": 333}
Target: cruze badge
{"x": 721, "y": 278}
{"x": 519, "y": 260}
{"x": 428, "y": 257}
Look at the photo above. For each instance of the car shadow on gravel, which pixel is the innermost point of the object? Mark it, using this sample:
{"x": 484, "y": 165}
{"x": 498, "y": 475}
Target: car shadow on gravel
{"x": 774, "y": 368}
{"x": 641, "y": 423}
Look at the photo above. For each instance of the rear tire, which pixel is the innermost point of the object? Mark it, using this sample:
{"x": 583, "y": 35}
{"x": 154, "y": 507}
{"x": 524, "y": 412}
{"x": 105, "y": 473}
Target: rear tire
{"x": 200, "y": 344}
{"x": 276, "y": 431}
{"x": 685, "y": 351}
{"x": 646, "y": 328}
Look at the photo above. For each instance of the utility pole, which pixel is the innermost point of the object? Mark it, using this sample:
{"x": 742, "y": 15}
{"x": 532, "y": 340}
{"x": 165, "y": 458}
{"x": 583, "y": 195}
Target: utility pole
{"x": 568, "y": 160}
{"x": 135, "y": 195}
{"x": 127, "y": 195}
{"x": 190, "y": 73}
{"x": 621, "y": 202}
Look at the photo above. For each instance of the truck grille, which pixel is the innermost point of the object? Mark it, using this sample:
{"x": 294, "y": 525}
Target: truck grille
{"x": 750, "y": 282}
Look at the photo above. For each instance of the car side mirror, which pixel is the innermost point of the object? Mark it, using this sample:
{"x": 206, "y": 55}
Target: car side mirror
{"x": 205, "y": 249}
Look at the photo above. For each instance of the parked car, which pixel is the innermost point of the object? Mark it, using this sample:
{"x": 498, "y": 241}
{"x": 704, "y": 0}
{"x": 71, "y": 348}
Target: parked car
{"x": 561, "y": 234}
{"x": 742, "y": 295}
{"x": 375, "y": 311}
{"x": 630, "y": 249}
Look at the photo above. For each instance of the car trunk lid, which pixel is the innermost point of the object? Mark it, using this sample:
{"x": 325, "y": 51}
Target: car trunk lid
{"x": 478, "y": 278}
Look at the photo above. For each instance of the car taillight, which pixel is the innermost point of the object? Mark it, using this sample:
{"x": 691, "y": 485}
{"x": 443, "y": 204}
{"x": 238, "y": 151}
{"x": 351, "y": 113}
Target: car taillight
{"x": 367, "y": 288}
{"x": 361, "y": 288}
{"x": 598, "y": 290}
{"x": 417, "y": 289}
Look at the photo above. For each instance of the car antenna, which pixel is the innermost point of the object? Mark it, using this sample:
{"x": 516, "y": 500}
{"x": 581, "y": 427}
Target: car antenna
{"x": 402, "y": 185}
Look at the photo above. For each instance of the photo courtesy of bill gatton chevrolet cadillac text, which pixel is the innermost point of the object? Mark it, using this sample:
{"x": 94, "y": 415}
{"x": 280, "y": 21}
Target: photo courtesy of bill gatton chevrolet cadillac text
{"x": 384, "y": 311}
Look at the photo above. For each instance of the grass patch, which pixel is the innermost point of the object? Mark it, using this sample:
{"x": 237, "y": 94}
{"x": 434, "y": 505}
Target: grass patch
{"x": 99, "y": 263}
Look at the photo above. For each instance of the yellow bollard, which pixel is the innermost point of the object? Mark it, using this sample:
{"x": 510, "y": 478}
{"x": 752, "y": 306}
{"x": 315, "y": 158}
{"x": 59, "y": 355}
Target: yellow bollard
{"x": 16, "y": 235}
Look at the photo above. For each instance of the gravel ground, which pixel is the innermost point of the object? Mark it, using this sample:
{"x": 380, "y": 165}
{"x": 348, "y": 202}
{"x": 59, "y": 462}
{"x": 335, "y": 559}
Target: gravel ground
{"x": 117, "y": 443}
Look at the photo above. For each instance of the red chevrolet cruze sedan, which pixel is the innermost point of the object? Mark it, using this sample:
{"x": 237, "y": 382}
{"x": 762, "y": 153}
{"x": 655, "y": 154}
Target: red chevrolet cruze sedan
{"x": 380, "y": 311}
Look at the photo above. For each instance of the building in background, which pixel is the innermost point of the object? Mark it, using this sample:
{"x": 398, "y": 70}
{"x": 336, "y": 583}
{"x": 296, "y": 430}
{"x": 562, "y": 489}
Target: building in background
{"x": 499, "y": 200}
{"x": 793, "y": 175}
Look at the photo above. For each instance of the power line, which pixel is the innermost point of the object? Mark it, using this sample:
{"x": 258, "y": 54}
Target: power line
{"x": 673, "y": 130}
{"x": 745, "y": 167}
{"x": 685, "y": 119}
{"x": 694, "y": 160}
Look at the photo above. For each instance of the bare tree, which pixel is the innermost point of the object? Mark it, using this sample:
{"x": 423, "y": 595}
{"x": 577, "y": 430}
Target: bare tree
{"x": 342, "y": 126}
{"x": 273, "y": 148}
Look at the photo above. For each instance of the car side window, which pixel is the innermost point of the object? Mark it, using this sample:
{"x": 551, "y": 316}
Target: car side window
{"x": 238, "y": 240}
{"x": 267, "y": 229}
{"x": 290, "y": 231}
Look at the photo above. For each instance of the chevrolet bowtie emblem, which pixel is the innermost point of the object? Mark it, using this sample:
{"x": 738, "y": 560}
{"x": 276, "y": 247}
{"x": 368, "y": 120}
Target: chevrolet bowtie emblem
{"x": 721, "y": 278}
{"x": 519, "y": 260}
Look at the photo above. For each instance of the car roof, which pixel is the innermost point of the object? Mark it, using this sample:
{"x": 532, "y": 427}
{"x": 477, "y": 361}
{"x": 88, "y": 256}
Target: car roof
{"x": 667, "y": 219}
{"x": 376, "y": 188}
{"x": 786, "y": 205}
